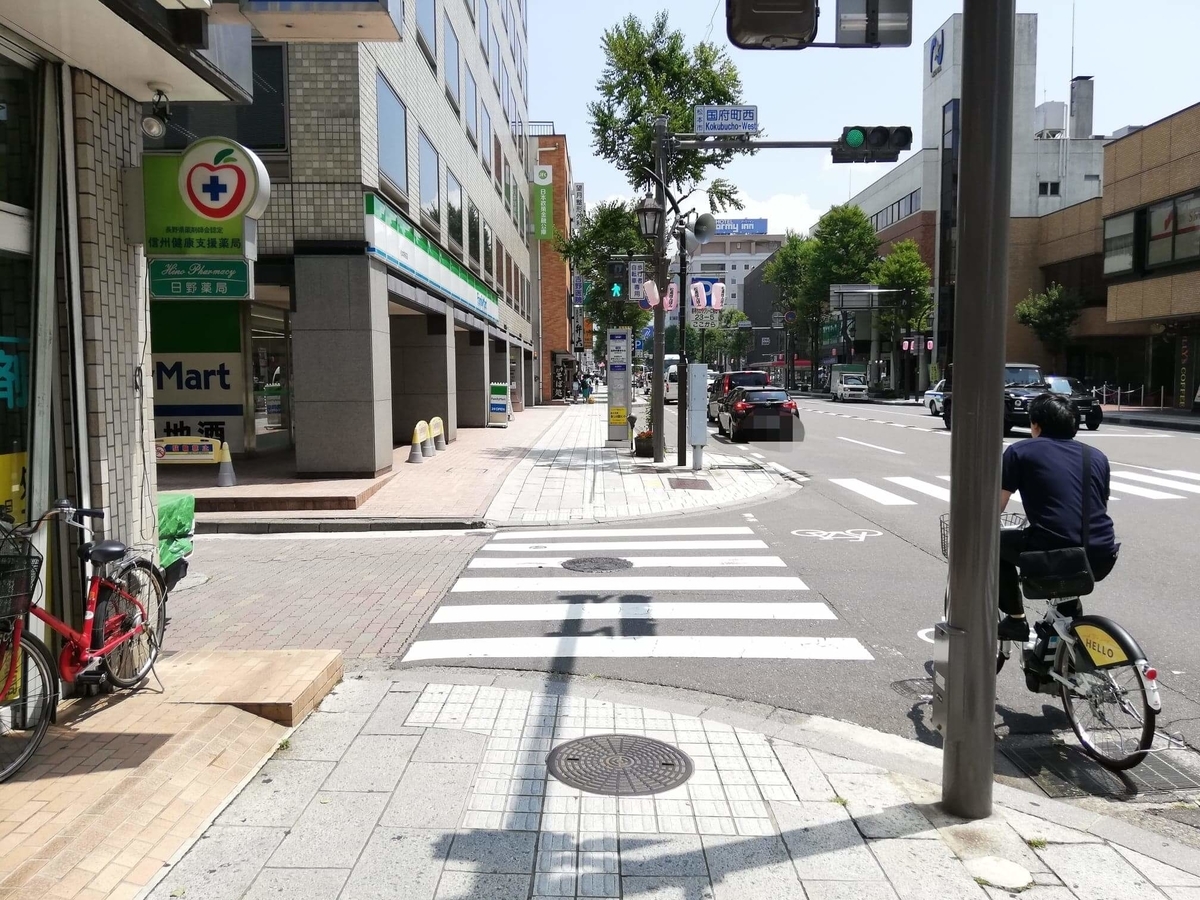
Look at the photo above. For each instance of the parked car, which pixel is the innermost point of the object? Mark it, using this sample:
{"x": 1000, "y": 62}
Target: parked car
{"x": 726, "y": 382}
{"x": 1087, "y": 406}
{"x": 747, "y": 409}
{"x": 933, "y": 398}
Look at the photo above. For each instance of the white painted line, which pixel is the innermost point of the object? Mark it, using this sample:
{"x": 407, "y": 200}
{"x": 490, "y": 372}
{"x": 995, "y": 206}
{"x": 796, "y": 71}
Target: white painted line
{"x": 620, "y": 532}
{"x": 341, "y": 535}
{"x": 1160, "y": 482}
{"x": 921, "y": 487}
{"x": 758, "y": 456}
{"x": 1179, "y": 473}
{"x": 626, "y": 545}
{"x": 1142, "y": 492}
{"x": 607, "y": 612}
{"x": 926, "y": 634}
{"x": 639, "y": 562}
{"x": 657, "y": 646}
{"x": 784, "y": 470}
{"x": 872, "y": 446}
{"x": 574, "y": 583}
{"x": 879, "y": 495}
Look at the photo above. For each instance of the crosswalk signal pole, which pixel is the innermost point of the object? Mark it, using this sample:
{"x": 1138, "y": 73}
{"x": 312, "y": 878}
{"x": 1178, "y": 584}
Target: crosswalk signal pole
{"x": 657, "y": 399}
{"x": 985, "y": 177}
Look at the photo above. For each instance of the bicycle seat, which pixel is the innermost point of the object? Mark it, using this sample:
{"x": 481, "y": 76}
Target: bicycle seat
{"x": 101, "y": 552}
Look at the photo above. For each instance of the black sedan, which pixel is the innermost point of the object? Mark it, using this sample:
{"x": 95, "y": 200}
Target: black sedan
{"x": 756, "y": 409}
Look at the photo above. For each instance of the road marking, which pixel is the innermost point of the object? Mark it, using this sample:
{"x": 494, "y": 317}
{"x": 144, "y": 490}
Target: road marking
{"x": 570, "y": 584}
{"x": 786, "y": 472}
{"x": 872, "y": 446}
{"x": 758, "y": 456}
{"x": 656, "y": 646}
{"x": 606, "y": 612}
{"x": 626, "y": 545}
{"x": 620, "y": 532}
{"x": 1142, "y": 492}
{"x": 342, "y": 535}
{"x": 1179, "y": 473}
{"x": 639, "y": 562}
{"x": 921, "y": 487}
{"x": 1016, "y": 495}
{"x": 879, "y": 495}
{"x": 926, "y": 634}
{"x": 850, "y": 534}
{"x": 1160, "y": 482}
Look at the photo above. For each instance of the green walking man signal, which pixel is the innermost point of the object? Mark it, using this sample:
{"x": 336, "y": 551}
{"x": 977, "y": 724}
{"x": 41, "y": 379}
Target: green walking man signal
{"x": 618, "y": 279}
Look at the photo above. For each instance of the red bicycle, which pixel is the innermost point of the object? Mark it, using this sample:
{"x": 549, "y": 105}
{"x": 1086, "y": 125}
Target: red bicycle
{"x": 123, "y": 623}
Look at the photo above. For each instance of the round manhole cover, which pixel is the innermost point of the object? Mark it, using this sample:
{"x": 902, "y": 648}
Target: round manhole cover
{"x": 597, "y": 564}
{"x": 619, "y": 764}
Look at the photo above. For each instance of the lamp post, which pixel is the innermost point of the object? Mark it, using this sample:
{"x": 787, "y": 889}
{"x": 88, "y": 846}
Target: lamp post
{"x": 659, "y": 233}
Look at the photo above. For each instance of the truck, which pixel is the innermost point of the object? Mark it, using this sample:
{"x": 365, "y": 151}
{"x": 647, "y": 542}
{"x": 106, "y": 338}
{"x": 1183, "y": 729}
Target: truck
{"x": 848, "y": 381}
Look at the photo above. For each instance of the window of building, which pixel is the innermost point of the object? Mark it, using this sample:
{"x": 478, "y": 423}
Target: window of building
{"x": 494, "y": 56}
{"x": 450, "y": 54}
{"x": 507, "y": 186}
{"x": 485, "y": 137}
{"x": 471, "y": 106}
{"x": 470, "y": 8}
{"x": 454, "y": 209}
{"x": 427, "y": 30}
{"x": 392, "y": 135}
{"x": 1048, "y": 188}
{"x": 1160, "y": 220}
{"x": 498, "y": 156}
{"x": 487, "y": 249}
{"x": 262, "y": 125}
{"x": 485, "y": 26}
{"x": 473, "y": 233}
{"x": 1118, "y": 244}
{"x": 505, "y": 95}
{"x": 1187, "y": 226}
{"x": 501, "y": 274}
{"x": 431, "y": 202}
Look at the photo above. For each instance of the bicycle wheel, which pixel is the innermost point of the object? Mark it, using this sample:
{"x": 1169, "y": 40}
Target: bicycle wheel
{"x": 1108, "y": 709}
{"x": 25, "y": 712}
{"x": 130, "y": 662}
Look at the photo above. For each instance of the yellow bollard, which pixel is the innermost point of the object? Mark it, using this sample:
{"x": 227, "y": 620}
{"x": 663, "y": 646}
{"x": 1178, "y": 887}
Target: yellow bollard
{"x": 420, "y": 436}
{"x": 437, "y": 431}
{"x": 225, "y": 476}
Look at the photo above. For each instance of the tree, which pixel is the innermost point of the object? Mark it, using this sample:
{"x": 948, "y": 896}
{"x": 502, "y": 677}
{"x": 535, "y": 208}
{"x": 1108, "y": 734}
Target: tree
{"x": 610, "y": 229}
{"x": 649, "y": 71}
{"x": 845, "y": 250}
{"x": 790, "y": 270}
{"x": 904, "y": 269}
{"x": 1051, "y": 315}
{"x": 734, "y": 342}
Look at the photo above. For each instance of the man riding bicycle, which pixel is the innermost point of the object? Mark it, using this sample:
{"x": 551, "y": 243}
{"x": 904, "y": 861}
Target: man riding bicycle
{"x": 1048, "y": 470}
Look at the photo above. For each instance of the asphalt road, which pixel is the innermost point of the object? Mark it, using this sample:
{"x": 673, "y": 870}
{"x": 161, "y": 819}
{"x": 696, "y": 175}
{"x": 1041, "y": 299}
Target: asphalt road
{"x": 859, "y": 546}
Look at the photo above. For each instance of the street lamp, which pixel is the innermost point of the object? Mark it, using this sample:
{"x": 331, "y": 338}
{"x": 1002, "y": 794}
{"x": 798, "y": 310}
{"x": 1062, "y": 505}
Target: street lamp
{"x": 649, "y": 213}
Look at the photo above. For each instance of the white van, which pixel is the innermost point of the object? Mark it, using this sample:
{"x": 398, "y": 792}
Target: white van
{"x": 671, "y": 386}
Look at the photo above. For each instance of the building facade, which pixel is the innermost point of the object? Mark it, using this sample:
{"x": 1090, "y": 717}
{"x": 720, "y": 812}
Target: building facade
{"x": 395, "y": 276}
{"x": 561, "y": 341}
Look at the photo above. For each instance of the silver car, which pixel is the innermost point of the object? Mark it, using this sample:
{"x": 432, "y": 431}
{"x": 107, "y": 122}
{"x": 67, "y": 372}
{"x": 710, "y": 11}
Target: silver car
{"x": 934, "y": 398}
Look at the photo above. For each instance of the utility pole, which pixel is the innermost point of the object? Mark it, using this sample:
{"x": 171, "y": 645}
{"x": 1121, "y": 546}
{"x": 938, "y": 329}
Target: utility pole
{"x": 988, "y": 30}
{"x": 684, "y": 301}
{"x": 660, "y": 316}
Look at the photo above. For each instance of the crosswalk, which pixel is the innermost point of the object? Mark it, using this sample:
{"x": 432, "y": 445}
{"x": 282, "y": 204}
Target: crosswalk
{"x": 905, "y": 490}
{"x": 517, "y": 601}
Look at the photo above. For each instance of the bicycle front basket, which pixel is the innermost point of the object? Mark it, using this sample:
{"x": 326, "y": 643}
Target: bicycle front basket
{"x": 20, "y": 564}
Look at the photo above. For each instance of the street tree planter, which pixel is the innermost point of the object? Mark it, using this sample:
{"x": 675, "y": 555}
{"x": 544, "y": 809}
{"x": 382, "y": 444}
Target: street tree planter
{"x": 643, "y": 444}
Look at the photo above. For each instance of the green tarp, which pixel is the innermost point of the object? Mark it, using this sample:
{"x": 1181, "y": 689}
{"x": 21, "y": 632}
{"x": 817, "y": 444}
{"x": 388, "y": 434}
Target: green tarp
{"x": 176, "y": 523}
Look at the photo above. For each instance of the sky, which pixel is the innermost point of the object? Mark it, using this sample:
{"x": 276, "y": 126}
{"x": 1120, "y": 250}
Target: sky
{"x": 1140, "y": 54}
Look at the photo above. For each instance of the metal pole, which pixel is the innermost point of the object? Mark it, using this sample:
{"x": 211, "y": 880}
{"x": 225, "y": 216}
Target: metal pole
{"x": 684, "y": 301}
{"x": 985, "y": 178}
{"x": 660, "y": 315}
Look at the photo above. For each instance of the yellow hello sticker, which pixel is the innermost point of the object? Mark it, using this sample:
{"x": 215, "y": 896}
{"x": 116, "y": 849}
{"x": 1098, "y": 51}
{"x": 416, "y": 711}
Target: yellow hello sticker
{"x": 1100, "y": 645}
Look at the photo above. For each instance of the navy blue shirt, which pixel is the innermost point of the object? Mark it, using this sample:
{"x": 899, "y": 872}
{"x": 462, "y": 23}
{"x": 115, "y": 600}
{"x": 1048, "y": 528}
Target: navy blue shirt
{"x": 1049, "y": 474}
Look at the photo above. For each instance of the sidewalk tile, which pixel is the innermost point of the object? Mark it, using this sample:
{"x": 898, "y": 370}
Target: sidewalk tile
{"x": 324, "y": 736}
{"x": 297, "y": 884}
{"x": 742, "y": 867}
{"x": 222, "y": 866}
{"x": 1031, "y": 828}
{"x": 354, "y": 696}
{"x": 429, "y": 795}
{"x": 851, "y": 890}
{"x": 398, "y": 864}
{"x": 502, "y": 853}
{"x": 388, "y": 717}
{"x": 333, "y": 829}
{"x": 1033, "y": 893}
{"x": 880, "y": 808}
{"x": 667, "y": 888}
{"x": 474, "y": 886}
{"x": 665, "y": 855}
{"x": 374, "y": 762}
{"x": 925, "y": 870}
{"x": 990, "y": 837}
{"x": 1159, "y": 873}
{"x": 823, "y": 842}
{"x": 1097, "y": 872}
{"x": 443, "y": 745}
{"x": 278, "y": 794}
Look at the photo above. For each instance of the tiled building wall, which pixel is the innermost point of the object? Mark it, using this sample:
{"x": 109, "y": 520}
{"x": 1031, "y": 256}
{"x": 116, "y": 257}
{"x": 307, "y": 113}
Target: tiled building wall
{"x": 921, "y": 228}
{"x": 556, "y": 275}
{"x": 1071, "y": 233}
{"x": 120, "y": 405}
{"x": 1158, "y": 161}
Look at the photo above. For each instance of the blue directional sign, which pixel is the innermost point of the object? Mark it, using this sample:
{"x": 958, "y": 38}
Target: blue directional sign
{"x": 726, "y": 119}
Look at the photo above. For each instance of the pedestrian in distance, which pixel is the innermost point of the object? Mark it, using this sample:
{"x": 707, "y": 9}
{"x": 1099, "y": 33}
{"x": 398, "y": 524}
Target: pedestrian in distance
{"x": 587, "y": 390}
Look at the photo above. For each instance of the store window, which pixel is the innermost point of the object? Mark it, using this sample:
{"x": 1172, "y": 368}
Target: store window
{"x": 454, "y": 210}
{"x": 270, "y": 359}
{"x": 431, "y": 200}
{"x": 18, "y": 134}
{"x": 1118, "y": 244}
{"x": 1160, "y": 232}
{"x": 450, "y": 55}
{"x": 392, "y": 135}
{"x": 1187, "y": 226}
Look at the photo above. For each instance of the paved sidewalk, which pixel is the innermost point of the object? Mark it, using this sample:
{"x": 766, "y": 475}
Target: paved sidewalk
{"x": 398, "y": 788}
{"x": 569, "y": 475}
{"x": 1152, "y": 417}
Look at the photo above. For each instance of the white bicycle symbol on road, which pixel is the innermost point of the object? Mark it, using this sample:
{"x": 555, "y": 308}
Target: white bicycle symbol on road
{"x": 850, "y": 534}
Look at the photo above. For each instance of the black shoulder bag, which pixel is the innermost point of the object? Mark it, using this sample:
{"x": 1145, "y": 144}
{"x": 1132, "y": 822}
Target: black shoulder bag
{"x": 1052, "y": 574}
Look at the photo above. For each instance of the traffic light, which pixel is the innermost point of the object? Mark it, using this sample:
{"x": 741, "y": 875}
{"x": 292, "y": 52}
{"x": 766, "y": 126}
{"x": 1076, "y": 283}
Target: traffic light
{"x": 872, "y": 143}
{"x": 617, "y": 280}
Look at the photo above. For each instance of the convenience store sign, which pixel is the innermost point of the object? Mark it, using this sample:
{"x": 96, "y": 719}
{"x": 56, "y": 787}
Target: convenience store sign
{"x": 394, "y": 240}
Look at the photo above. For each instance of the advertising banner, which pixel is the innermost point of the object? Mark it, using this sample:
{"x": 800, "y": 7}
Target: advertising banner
{"x": 543, "y": 202}
{"x": 228, "y": 279}
{"x": 620, "y": 395}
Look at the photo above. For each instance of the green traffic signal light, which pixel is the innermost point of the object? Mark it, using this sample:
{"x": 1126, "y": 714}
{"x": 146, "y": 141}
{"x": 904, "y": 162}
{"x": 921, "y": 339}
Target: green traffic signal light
{"x": 854, "y": 137}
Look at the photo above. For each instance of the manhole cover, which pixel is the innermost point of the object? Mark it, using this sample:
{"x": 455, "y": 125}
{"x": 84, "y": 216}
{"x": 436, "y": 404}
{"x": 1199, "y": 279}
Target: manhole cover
{"x": 619, "y": 764}
{"x": 596, "y": 564}
{"x": 689, "y": 484}
{"x": 1063, "y": 770}
{"x": 914, "y": 688}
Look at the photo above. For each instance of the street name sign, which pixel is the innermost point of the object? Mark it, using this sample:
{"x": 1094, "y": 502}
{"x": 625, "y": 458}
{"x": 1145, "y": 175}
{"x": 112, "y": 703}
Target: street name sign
{"x": 726, "y": 120}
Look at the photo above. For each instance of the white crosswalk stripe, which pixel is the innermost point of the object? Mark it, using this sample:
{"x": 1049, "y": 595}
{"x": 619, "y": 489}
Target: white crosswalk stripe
{"x": 1141, "y": 491}
{"x": 515, "y": 615}
{"x": 922, "y": 487}
{"x": 879, "y": 495}
{"x": 1159, "y": 482}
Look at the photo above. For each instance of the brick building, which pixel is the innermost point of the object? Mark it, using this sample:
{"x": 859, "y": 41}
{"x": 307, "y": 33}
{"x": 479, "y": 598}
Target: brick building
{"x": 561, "y": 321}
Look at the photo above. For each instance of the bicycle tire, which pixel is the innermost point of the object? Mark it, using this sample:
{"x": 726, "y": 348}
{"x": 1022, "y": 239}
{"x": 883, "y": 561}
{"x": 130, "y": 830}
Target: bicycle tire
{"x": 1065, "y": 664}
{"x": 37, "y": 653}
{"x": 117, "y": 664}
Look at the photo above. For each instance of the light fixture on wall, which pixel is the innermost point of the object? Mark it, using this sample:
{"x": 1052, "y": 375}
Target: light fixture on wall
{"x": 154, "y": 123}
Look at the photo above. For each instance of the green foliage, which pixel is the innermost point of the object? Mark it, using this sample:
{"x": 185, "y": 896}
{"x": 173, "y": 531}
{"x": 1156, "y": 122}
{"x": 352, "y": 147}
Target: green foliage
{"x": 790, "y": 270}
{"x": 846, "y": 250}
{"x": 734, "y": 341}
{"x": 1050, "y": 315}
{"x": 610, "y": 229}
{"x": 650, "y": 71}
{"x": 903, "y": 268}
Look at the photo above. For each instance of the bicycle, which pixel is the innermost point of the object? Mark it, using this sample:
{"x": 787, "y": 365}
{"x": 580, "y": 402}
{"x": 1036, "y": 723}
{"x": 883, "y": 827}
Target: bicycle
{"x": 123, "y": 623}
{"x": 1098, "y": 671}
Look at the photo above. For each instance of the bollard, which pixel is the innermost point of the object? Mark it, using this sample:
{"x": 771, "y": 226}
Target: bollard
{"x": 437, "y": 431}
{"x": 420, "y": 437}
{"x": 225, "y": 475}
